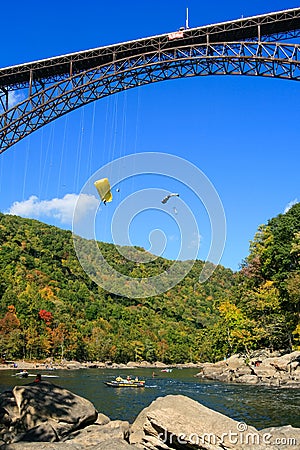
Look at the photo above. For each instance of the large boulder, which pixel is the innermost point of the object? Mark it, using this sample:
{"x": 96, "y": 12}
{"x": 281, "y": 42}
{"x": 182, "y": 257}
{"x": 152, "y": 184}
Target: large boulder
{"x": 178, "y": 422}
{"x": 43, "y": 412}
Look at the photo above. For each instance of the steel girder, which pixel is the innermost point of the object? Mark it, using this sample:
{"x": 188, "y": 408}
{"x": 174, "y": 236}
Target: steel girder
{"x": 274, "y": 26}
{"x": 47, "y": 103}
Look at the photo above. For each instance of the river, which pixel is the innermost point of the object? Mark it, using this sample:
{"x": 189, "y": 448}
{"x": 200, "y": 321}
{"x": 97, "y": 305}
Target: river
{"x": 259, "y": 406}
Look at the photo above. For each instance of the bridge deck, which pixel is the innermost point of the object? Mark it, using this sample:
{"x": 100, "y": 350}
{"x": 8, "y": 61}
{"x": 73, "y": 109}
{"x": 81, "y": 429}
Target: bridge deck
{"x": 251, "y": 28}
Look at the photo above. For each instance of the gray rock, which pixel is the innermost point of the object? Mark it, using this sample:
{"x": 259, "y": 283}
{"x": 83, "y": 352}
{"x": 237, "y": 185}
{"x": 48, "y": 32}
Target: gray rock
{"x": 286, "y": 437}
{"x": 96, "y": 434}
{"x": 42, "y": 446}
{"x": 108, "y": 444}
{"x": 176, "y": 421}
{"x": 294, "y": 366}
{"x": 212, "y": 371}
{"x": 41, "y": 433}
{"x": 264, "y": 371}
{"x": 115, "y": 444}
{"x": 32, "y": 406}
{"x": 102, "y": 419}
{"x": 247, "y": 379}
{"x": 269, "y": 370}
{"x": 243, "y": 370}
{"x": 235, "y": 362}
{"x": 225, "y": 377}
{"x": 8, "y": 403}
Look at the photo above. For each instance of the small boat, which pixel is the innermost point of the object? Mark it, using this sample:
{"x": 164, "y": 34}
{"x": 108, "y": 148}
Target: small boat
{"x": 125, "y": 383}
{"x": 166, "y": 370}
{"x": 49, "y": 376}
{"x": 22, "y": 374}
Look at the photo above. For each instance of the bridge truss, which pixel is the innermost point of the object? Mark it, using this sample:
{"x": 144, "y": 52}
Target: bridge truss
{"x": 256, "y": 46}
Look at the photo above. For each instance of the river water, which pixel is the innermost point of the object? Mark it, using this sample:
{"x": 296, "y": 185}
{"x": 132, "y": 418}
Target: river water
{"x": 258, "y": 406}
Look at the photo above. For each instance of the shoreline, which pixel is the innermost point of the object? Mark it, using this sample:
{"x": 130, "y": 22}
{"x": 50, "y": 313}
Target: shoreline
{"x": 263, "y": 368}
{"x": 75, "y": 365}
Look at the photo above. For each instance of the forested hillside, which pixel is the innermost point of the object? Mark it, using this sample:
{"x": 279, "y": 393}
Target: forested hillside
{"x": 50, "y": 307}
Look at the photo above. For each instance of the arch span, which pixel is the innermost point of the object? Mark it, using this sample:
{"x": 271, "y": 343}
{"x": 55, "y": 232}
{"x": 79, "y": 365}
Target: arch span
{"x": 62, "y": 84}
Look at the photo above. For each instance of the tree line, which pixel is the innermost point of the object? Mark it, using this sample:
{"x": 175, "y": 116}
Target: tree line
{"x": 51, "y": 308}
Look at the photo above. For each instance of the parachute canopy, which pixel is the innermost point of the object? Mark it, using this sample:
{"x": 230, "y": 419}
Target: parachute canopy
{"x": 164, "y": 200}
{"x": 103, "y": 188}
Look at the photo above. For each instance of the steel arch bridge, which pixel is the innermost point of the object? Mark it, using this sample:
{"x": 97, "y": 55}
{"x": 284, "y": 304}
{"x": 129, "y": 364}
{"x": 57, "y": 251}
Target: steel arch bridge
{"x": 261, "y": 45}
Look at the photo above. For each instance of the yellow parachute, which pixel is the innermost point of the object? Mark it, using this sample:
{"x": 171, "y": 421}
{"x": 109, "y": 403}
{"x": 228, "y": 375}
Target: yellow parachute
{"x": 103, "y": 188}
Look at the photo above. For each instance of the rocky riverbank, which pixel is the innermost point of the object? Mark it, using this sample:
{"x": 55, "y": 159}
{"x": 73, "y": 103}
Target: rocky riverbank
{"x": 44, "y": 416}
{"x": 259, "y": 368}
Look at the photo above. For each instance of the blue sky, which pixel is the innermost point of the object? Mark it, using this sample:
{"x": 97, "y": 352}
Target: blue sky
{"x": 241, "y": 132}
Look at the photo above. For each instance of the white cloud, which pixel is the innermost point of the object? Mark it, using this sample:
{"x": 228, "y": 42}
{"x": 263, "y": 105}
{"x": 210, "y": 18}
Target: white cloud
{"x": 14, "y": 98}
{"x": 289, "y": 205}
{"x": 60, "y": 209}
{"x": 195, "y": 241}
